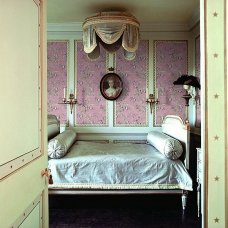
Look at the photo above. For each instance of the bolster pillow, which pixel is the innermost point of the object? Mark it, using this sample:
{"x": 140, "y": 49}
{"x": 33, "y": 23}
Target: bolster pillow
{"x": 59, "y": 145}
{"x": 53, "y": 128}
{"x": 165, "y": 144}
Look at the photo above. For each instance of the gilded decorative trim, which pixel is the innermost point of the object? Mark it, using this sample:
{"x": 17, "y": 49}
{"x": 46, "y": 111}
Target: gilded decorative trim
{"x": 187, "y": 127}
{"x": 154, "y": 82}
{"x": 118, "y": 186}
{"x": 147, "y": 83}
{"x": 96, "y": 141}
{"x": 130, "y": 141}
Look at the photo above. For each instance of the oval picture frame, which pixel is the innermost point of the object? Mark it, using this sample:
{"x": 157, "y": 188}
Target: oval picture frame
{"x": 111, "y": 86}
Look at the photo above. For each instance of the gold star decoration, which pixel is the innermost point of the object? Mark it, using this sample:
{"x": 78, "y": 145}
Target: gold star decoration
{"x": 216, "y": 138}
{"x": 215, "y": 14}
{"x": 216, "y": 96}
{"x": 216, "y": 220}
{"x": 215, "y": 55}
{"x": 216, "y": 178}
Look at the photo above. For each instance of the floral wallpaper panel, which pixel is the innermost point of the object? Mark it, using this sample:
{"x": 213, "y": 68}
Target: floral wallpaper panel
{"x": 57, "y": 59}
{"x": 130, "y": 107}
{"x": 170, "y": 62}
{"x": 91, "y": 109}
{"x": 197, "y": 70}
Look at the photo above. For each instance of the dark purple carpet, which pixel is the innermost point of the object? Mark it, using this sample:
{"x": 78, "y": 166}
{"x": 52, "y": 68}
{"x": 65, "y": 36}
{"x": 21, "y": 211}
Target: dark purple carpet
{"x": 134, "y": 211}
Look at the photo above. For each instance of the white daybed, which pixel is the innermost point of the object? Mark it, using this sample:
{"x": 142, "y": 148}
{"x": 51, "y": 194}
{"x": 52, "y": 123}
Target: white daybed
{"x": 124, "y": 168}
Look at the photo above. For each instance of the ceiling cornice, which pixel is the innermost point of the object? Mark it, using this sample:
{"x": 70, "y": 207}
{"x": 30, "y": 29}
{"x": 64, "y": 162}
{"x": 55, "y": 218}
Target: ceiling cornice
{"x": 64, "y": 27}
{"x": 194, "y": 19}
{"x": 148, "y": 27}
{"x": 144, "y": 27}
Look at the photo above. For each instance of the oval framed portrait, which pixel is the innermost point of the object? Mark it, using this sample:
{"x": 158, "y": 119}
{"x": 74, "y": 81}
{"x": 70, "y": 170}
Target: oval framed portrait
{"x": 111, "y": 86}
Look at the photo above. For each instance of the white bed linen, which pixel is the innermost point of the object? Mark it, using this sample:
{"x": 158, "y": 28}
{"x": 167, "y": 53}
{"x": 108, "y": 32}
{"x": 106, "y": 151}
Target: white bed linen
{"x": 118, "y": 166}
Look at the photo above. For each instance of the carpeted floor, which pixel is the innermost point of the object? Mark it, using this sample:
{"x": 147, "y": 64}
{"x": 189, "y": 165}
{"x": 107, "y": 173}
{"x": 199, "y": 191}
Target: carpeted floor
{"x": 132, "y": 211}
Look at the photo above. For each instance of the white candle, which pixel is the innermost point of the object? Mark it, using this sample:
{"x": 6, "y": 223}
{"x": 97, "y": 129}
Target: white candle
{"x": 157, "y": 93}
{"x": 75, "y": 93}
{"x": 64, "y": 92}
{"x": 147, "y": 92}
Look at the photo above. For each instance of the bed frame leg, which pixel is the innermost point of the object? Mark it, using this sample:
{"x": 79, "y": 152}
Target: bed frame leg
{"x": 184, "y": 200}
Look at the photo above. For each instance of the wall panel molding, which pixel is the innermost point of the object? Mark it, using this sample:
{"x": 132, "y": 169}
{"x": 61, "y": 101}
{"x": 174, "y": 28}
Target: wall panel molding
{"x": 58, "y": 74}
{"x": 91, "y": 108}
{"x": 170, "y": 62}
{"x": 131, "y": 109}
{"x": 197, "y": 74}
{"x": 111, "y": 125}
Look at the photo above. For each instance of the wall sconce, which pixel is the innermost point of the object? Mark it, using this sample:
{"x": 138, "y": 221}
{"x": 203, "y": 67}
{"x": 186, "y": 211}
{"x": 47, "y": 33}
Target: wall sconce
{"x": 189, "y": 83}
{"x": 187, "y": 97}
{"x": 152, "y": 100}
{"x": 71, "y": 101}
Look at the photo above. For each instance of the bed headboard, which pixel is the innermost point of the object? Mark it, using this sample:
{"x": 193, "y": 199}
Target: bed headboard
{"x": 53, "y": 127}
{"x": 175, "y": 127}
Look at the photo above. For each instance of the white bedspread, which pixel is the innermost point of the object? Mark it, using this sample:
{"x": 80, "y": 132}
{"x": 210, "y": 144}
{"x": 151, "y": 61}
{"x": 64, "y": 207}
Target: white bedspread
{"x": 118, "y": 166}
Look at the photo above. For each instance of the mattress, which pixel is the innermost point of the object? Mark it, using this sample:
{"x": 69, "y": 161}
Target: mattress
{"x": 118, "y": 166}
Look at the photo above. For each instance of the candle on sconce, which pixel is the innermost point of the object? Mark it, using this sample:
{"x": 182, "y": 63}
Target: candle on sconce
{"x": 75, "y": 93}
{"x": 157, "y": 93}
{"x": 71, "y": 100}
{"x": 147, "y": 94}
{"x": 64, "y": 93}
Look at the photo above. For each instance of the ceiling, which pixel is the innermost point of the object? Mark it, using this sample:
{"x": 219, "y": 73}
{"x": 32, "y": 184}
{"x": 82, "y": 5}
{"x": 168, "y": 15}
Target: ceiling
{"x": 146, "y": 11}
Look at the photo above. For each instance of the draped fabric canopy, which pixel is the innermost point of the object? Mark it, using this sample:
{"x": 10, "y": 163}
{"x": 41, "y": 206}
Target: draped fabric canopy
{"x": 111, "y": 30}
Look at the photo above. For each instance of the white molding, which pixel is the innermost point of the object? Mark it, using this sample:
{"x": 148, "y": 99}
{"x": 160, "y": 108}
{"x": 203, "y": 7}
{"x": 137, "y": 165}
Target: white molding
{"x": 111, "y": 136}
{"x": 15, "y": 164}
{"x": 36, "y": 202}
{"x": 144, "y": 27}
{"x": 65, "y": 27}
{"x": 149, "y": 27}
{"x": 114, "y": 130}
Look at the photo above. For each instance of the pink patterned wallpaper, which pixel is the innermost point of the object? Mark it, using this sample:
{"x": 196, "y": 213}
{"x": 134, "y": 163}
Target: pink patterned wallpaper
{"x": 131, "y": 107}
{"x": 197, "y": 70}
{"x": 170, "y": 62}
{"x": 57, "y": 54}
{"x": 91, "y": 106}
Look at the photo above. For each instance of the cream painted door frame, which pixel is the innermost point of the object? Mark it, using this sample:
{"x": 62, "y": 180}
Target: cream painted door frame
{"x": 214, "y": 130}
{"x": 23, "y": 137}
